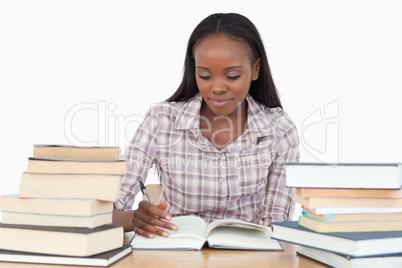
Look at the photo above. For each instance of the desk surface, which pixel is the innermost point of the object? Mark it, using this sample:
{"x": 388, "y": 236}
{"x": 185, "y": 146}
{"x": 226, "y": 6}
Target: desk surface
{"x": 204, "y": 258}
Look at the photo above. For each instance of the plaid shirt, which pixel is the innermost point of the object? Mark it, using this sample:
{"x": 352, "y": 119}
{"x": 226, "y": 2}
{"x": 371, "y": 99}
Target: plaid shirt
{"x": 245, "y": 180}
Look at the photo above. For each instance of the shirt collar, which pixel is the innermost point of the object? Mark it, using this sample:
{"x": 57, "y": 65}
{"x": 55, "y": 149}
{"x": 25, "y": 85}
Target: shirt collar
{"x": 259, "y": 118}
{"x": 189, "y": 115}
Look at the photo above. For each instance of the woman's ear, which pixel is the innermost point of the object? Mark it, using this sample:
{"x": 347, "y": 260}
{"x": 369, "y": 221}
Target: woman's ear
{"x": 256, "y": 69}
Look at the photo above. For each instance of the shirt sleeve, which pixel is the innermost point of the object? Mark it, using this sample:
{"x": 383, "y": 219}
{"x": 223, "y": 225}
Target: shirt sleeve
{"x": 279, "y": 201}
{"x": 140, "y": 158}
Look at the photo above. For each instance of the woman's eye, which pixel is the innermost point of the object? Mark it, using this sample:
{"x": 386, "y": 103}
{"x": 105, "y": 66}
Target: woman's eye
{"x": 233, "y": 77}
{"x": 204, "y": 77}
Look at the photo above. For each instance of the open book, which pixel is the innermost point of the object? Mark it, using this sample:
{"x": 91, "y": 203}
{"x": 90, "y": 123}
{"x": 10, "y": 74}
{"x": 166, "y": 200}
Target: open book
{"x": 227, "y": 233}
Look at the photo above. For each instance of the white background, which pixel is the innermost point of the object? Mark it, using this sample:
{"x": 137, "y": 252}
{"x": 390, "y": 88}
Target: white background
{"x": 85, "y": 72}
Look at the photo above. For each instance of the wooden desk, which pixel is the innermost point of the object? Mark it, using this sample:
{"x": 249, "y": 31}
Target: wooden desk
{"x": 203, "y": 258}
{"x": 218, "y": 258}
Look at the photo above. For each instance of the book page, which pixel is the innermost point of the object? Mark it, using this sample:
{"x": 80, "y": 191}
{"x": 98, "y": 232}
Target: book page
{"x": 234, "y": 223}
{"x": 236, "y": 237}
{"x": 189, "y": 226}
{"x": 190, "y": 235}
{"x": 238, "y": 234}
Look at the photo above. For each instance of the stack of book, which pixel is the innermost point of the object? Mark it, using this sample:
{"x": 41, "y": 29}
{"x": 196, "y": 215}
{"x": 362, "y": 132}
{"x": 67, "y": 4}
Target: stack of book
{"x": 63, "y": 211}
{"x": 352, "y": 213}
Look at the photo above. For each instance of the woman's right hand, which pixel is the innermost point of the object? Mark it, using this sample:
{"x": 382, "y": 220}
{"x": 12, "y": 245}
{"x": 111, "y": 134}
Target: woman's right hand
{"x": 147, "y": 218}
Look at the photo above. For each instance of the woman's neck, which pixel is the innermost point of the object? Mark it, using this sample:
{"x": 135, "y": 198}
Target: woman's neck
{"x": 221, "y": 130}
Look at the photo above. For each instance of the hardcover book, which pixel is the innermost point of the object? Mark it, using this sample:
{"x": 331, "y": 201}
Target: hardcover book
{"x": 352, "y": 210}
{"x": 319, "y": 202}
{"x": 353, "y": 216}
{"x": 349, "y": 226}
{"x": 75, "y": 152}
{"x": 55, "y": 206}
{"x": 92, "y": 221}
{"x": 344, "y": 175}
{"x": 104, "y": 187}
{"x": 355, "y": 244}
{"x": 103, "y": 259}
{"x": 350, "y": 193}
{"x": 68, "y": 241}
{"x": 344, "y": 261}
{"x": 72, "y": 166}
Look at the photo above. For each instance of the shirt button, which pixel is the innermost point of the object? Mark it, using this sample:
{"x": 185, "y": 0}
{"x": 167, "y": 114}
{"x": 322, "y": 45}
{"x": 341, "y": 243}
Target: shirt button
{"x": 220, "y": 180}
{"x": 219, "y": 205}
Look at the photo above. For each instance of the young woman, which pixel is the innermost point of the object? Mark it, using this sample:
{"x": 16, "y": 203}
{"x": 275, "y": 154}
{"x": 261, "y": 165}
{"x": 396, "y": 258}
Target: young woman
{"x": 219, "y": 143}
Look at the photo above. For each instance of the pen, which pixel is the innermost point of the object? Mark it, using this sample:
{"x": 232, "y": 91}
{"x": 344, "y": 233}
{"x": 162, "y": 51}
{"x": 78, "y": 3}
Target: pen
{"x": 144, "y": 192}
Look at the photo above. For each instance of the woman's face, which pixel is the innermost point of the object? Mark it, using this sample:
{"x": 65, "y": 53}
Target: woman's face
{"x": 224, "y": 71}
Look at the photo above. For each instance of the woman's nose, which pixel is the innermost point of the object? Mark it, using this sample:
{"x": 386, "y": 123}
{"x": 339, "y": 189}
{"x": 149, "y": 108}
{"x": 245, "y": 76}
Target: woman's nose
{"x": 218, "y": 86}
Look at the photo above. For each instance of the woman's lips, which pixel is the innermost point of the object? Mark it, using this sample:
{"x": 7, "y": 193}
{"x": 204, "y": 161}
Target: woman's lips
{"x": 220, "y": 103}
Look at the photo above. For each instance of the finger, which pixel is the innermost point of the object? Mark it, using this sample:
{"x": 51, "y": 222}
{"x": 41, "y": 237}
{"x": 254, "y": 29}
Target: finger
{"x": 141, "y": 232}
{"x": 144, "y": 219}
{"x": 162, "y": 206}
{"x": 142, "y": 228}
{"x": 158, "y": 212}
{"x": 151, "y": 235}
